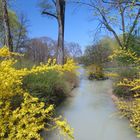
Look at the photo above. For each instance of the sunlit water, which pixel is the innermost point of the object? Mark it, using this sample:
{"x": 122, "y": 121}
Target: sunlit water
{"x": 92, "y": 113}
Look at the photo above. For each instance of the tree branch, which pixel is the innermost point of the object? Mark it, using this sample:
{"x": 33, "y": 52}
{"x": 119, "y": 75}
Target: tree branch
{"x": 122, "y": 10}
{"x": 133, "y": 26}
{"x": 49, "y": 14}
{"x": 54, "y": 2}
{"x": 137, "y": 3}
{"x": 105, "y": 22}
{"x": 83, "y": 3}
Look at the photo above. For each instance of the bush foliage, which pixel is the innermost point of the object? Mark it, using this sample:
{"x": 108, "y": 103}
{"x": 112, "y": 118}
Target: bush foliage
{"x": 30, "y": 116}
{"x": 49, "y": 87}
{"x": 128, "y": 85}
{"x": 96, "y": 72}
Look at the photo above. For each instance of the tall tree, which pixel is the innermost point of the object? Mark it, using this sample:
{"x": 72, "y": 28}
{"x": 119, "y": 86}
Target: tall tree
{"x": 7, "y": 32}
{"x": 56, "y": 9}
{"x": 116, "y": 15}
{"x": 18, "y": 29}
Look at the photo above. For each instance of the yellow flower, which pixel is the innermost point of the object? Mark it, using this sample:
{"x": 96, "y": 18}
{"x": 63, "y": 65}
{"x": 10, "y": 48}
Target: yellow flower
{"x": 26, "y": 121}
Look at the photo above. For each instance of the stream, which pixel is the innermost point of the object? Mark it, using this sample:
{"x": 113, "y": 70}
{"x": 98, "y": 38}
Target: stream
{"x": 92, "y": 113}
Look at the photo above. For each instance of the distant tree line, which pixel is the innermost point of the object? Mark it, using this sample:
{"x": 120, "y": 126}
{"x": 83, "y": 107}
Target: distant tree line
{"x": 13, "y": 34}
{"x": 112, "y": 15}
{"x": 43, "y": 48}
{"x": 97, "y": 53}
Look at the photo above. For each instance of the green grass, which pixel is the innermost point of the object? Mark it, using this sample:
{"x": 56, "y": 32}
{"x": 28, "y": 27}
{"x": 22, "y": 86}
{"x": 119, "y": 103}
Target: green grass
{"x": 49, "y": 87}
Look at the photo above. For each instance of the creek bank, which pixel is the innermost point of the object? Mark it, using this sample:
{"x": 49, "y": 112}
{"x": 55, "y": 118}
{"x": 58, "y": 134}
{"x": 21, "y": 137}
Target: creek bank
{"x": 90, "y": 111}
{"x": 50, "y": 87}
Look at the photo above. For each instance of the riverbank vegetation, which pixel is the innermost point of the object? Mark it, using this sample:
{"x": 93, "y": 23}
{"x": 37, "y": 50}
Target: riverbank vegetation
{"x": 37, "y": 74}
{"x": 22, "y": 111}
{"x": 95, "y": 59}
{"x": 127, "y": 86}
{"x": 123, "y": 67}
{"x": 122, "y": 61}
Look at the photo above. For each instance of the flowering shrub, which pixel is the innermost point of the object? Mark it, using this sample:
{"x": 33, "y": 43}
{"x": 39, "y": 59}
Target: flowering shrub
{"x": 129, "y": 82}
{"x": 70, "y": 66}
{"x": 111, "y": 74}
{"x": 131, "y": 110}
{"x": 95, "y": 72}
{"x": 4, "y": 52}
{"x": 133, "y": 84}
{"x": 125, "y": 56}
{"x": 28, "y": 119}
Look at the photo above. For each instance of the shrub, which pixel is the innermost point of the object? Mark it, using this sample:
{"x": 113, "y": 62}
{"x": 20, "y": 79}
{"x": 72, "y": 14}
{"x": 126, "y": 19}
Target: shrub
{"x": 131, "y": 110}
{"x": 97, "y": 76}
{"x": 128, "y": 84}
{"x": 125, "y": 57}
{"x": 128, "y": 62}
{"x": 121, "y": 91}
{"x": 72, "y": 79}
{"x": 96, "y": 72}
{"x": 123, "y": 74}
{"x": 128, "y": 72}
{"x": 28, "y": 117}
{"x": 133, "y": 85}
{"x": 49, "y": 87}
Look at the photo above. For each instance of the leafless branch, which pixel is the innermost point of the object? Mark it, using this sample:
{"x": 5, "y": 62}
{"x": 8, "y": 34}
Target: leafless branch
{"x": 49, "y": 14}
{"x": 137, "y": 3}
{"x": 133, "y": 26}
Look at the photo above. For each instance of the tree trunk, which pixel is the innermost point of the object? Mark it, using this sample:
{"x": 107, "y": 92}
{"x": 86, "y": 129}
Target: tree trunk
{"x": 8, "y": 37}
{"x": 60, "y": 5}
{"x": 60, "y": 47}
{"x": 123, "y": 26}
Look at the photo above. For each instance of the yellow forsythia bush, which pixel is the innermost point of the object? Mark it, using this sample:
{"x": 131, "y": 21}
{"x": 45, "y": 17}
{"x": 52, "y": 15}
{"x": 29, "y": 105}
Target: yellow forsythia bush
{"x": 125, "y": 56}
{"x": 133, "y": 84}
{"x": 131, "y": 110}
{"x": 29, "y": 119}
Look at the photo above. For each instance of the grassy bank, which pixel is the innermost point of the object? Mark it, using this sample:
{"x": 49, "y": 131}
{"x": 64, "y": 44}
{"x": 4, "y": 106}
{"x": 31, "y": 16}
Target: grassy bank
{"x": 50, "y": 87}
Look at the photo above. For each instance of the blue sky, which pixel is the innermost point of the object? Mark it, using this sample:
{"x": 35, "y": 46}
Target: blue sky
{"x": 78, "y": 25}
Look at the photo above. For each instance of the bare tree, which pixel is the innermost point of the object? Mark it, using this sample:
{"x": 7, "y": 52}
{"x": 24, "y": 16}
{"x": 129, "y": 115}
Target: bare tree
{"x": 96, "y": 54}
{"x": 56, "y": 9}
{"x": 21, "y": 32}
{"x": 7, "y": 32}
{"x": 74, "y": 49}
{"x": 37, "y": 51}
{"x": 116, "y": 14}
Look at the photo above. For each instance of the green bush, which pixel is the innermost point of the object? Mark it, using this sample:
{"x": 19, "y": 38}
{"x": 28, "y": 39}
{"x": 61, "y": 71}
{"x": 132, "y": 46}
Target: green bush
{"x": 128, "y": 72}
{"x": 121, "y": 91}
{"x": 95, "y": 72}
{"x": 72, "y": 79}
{"x": 49, "y": 87}
{"x": 24, "y": 63}
{"x": 125, "y": 73}
{"x": 97, "y": 76}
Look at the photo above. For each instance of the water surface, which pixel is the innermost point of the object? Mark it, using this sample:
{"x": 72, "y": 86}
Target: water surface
{"x": 92, "y": 113}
